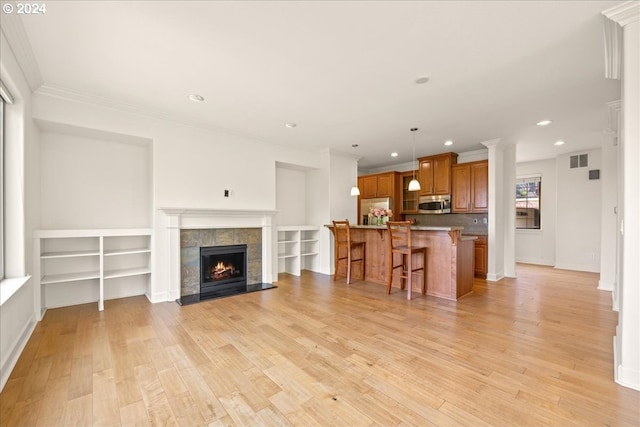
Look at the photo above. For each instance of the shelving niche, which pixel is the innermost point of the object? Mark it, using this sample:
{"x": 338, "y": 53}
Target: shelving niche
{"x": 81, "y": 266}
{"x": 297, "y": 249}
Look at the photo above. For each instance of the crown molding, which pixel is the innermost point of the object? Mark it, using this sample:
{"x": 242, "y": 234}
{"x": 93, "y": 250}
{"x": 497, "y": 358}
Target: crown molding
{"x": 68, "y": 94}
{"x": 613, "y": 45}
{"x": 615, "y": 19}
{"x": 134, "y": 109}
{"x": 625, "y": 13}
{"x": 150, "y": 113}
{"x": 16, "y": 36}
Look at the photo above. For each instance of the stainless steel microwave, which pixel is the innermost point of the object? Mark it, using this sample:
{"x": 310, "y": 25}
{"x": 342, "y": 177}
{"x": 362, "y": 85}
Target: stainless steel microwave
{"x": 434, "y": 204}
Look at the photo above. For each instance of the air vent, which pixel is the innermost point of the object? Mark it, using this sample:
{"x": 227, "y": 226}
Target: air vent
{"x": 579, "y": 161}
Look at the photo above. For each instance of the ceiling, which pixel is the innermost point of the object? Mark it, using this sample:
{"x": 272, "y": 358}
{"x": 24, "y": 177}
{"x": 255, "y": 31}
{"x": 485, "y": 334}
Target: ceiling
{"x": 343, "y": 72}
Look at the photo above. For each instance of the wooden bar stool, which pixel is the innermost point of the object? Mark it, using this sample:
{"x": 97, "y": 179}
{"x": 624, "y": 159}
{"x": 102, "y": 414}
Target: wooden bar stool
{"x": 400, "y": 243}
{"x": 344, "y": 244}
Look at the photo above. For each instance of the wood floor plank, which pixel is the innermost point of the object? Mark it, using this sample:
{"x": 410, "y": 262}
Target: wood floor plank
{"x": 79, "y": 411}
{"x": 134, "y": 414}
{"x": 530, "y": 351}
{"x": 185, "y": 410}
{"x": 208, "y": 405}
{"x": 54, "y": 402}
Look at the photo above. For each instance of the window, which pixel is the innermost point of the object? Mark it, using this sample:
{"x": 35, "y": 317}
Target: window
{"x": 528, "y": 202}
{"x": 5, "y": 96}
{"x": 1, "y": 188}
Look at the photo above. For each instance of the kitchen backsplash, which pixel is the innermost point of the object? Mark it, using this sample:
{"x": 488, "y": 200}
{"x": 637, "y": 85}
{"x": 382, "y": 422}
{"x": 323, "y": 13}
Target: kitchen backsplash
{"x": 465, "y": 220}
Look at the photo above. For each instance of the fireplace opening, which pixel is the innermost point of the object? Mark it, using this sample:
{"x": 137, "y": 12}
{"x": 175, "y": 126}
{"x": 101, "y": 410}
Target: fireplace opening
{"x": 223, "y": 268}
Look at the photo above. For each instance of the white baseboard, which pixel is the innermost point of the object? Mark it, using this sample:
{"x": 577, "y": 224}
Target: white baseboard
{"x": 494, "y": 277}
{"x": 157, "y": 297}
{"x": 16, "y": 350}
{"x": 578, "y": 267}
{"x": 624, "y": 376}
{"x": 605, "y": 286}
{"x": 535, "y": 261}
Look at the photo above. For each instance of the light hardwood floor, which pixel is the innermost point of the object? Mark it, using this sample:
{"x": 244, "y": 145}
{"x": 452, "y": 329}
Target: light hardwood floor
{"x": 536, "y": 351}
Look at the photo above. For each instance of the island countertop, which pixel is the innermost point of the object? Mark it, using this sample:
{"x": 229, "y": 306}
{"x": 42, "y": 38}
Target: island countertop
{"x": 413, "y": 227}
{"x": 450, "y": 258}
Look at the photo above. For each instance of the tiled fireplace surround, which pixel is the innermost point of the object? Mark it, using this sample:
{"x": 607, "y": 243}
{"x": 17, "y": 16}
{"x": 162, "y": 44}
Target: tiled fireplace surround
{"x": 192, "y": 240}
{"x": 215, "y": 227}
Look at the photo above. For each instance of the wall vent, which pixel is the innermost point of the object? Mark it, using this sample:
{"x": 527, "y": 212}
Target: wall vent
{"x": 579, "y": 161}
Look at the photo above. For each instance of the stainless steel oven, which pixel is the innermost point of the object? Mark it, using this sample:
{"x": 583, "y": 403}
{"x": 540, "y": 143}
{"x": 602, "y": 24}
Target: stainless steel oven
{"x": 434, "y": 204}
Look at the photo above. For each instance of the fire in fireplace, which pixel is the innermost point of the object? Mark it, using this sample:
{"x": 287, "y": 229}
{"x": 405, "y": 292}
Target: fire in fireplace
{"x": 223, "y": 268}
{"x": 223, "y": 271}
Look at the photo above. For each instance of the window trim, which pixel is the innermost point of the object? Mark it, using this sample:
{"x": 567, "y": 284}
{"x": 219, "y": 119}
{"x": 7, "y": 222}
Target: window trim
{"x": 2, "y": 181}
{"x": 5, "y": 98}
{"x": 528, "y": 178}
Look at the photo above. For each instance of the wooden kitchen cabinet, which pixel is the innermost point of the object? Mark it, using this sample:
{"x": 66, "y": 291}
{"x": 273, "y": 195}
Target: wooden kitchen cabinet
{"x": 470, "y": 187}
{"x": 387, "y": 184}
{"x": 481, "y": 250}
{"x": 409, "y": 198}
{"x": 435, "y": 174}
{"x": 378, "y": 185}
{"x": 369, "y": 188}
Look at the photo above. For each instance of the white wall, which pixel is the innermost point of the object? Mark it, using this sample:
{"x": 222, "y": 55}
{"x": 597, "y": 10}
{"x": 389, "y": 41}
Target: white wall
{"x": 343, "y": 176}
{"x": 291, "y": 196}
{"x": 342, "y": 204}
{"x": 193, "y": 166}
{"x": 94, "y": 183}
{"x": 578, "y": 218}
{"x": 539, "y": 246}
{"x": 570, "y": 234}
{"x": 318, "y": 210}
{"x": 473, "y": 156}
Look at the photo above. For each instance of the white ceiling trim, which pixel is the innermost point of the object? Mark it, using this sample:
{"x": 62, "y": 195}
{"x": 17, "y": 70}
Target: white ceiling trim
{"x": 138, "y": 110}
{"x": 625, "y": 13}
{"x": 612, "y": 49}
{"x": 17, "y": 37}
{"x": 64, "y": 93}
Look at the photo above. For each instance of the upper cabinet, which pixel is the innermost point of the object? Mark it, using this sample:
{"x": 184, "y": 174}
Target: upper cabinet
{"x": 379, "y": 185}
{"x": 470, "y": 192}
{"x": 435, "y": 174}
{"x": 409, "y": 198}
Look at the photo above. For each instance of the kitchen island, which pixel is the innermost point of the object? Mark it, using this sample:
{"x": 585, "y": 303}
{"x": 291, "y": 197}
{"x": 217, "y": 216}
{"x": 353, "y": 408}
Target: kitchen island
{"x": 450, "y": 258}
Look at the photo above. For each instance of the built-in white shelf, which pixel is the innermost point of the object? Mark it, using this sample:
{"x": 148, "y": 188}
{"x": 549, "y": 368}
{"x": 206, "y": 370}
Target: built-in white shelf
{"x": 126, "y": 272}
{"x": 74, "y": 264}
{"x": 297, "y": 248}
{"x": 69, "y": 277}
{"x": 69, "y": 254}
{"x": 127, "y": 251}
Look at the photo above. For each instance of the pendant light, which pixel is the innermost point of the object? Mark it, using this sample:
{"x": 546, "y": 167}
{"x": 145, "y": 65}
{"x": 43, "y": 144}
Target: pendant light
{"x": 355, "y": 191}
{"x": 414, "y": 184}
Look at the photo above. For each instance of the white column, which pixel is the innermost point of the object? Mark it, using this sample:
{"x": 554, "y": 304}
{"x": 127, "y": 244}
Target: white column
{"x": 627, "y": 339}
{"x": 502, "y": 206}
{"x": 509, "y": 209}
{"x": 608, "y": 213}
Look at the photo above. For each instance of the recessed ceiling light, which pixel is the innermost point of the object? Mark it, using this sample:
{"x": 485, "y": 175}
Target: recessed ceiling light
{"x": 448, "y": 143}
{"x": 290, "y": 125}
{"x": 558, "y": 143}
{"x": 421, "y": 80}
{"x": 544, "y": 122}
{"x": 196, "y": 98}
{"x": 394, "y": 154}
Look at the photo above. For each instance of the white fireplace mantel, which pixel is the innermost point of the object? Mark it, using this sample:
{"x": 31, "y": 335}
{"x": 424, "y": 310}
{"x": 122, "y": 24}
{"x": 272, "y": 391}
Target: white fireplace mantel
{"x": 217, "y": 218}
{"x": 176, "y": 219}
